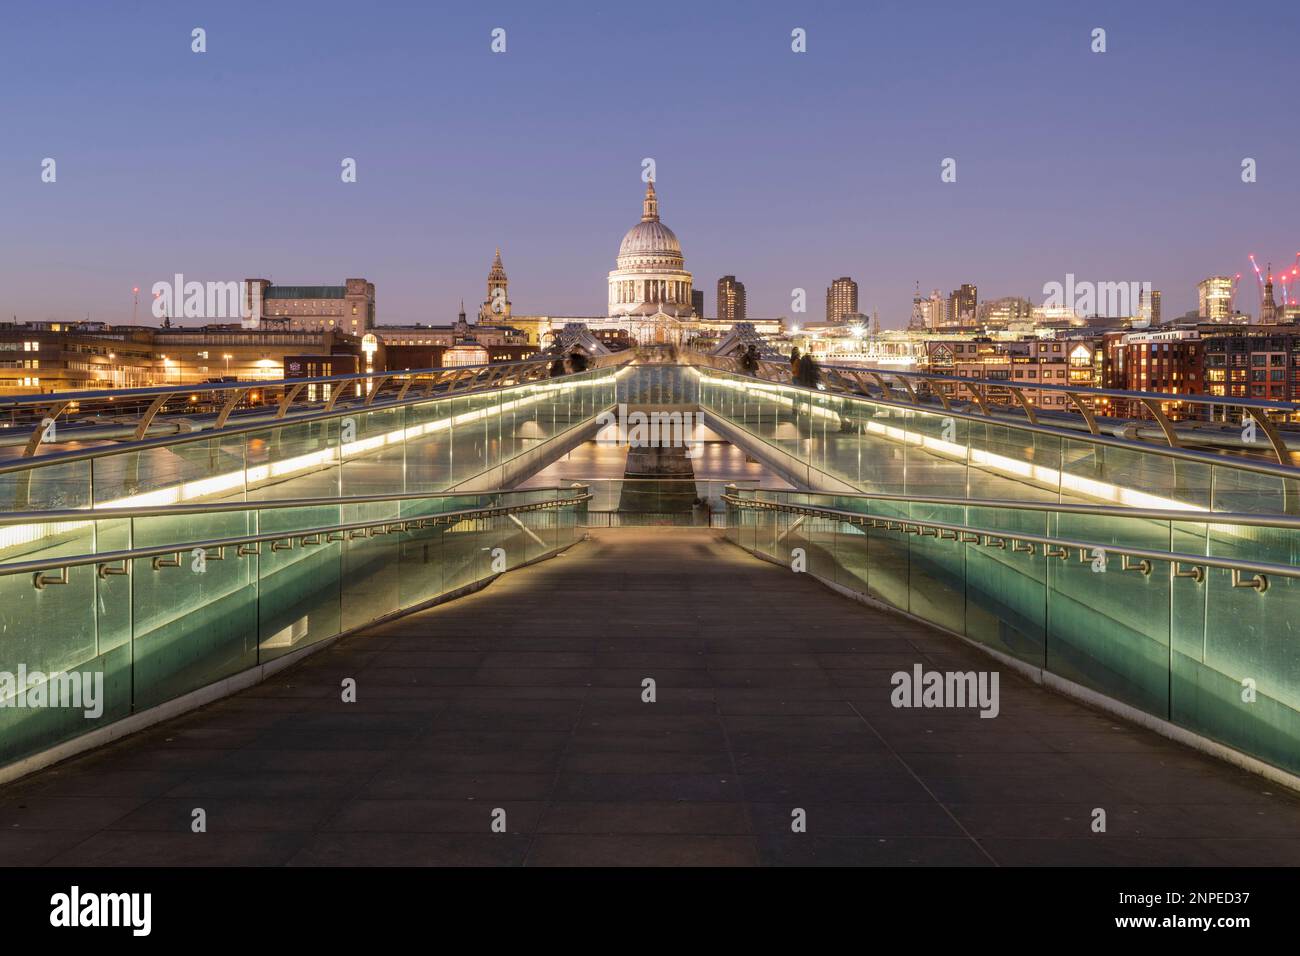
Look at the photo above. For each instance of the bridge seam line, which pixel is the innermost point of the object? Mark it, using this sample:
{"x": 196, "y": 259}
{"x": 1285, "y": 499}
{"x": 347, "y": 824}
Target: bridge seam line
{"x": 549, "y": 802}
{"x": 915, "y": 776}
{"x": 740, "y": 780}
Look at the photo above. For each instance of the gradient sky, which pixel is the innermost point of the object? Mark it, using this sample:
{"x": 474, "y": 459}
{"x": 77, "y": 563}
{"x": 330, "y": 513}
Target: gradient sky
{"x": 786, "y": 170}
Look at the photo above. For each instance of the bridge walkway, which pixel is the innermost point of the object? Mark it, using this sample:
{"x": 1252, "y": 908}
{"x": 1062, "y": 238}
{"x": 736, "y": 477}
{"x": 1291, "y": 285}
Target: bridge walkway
{"x": 772, "y": 695}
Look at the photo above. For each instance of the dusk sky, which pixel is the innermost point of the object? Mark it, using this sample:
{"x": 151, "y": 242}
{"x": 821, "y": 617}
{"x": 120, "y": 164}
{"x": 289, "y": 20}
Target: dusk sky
{"x": 785, "y": 169}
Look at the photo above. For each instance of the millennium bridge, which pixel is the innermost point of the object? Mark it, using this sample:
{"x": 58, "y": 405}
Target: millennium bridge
{"x": 443, "y": 617}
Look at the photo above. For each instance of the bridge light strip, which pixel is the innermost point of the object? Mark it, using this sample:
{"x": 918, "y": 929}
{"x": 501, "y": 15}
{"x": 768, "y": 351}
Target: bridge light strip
{"x": 13, "y": 536}
{"x": 985, "y": 460}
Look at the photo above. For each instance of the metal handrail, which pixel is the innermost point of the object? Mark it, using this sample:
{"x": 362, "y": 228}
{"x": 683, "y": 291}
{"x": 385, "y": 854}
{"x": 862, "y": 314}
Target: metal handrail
{"x": 1263, "y": 404}
{"x": 453, "y": 377}
{"x": 150, "y": 391}
{"x": 1190, "y": 398}
{"x": 106, "y": 558}
{"x": 108, "y": 514}
{"x": 1277, "y": 468}
{"x": 1257, "y": 519}
{"x": 1258, "y": 409}
{"x": 1060, "y": 547}
{"x": 26, "y": 463}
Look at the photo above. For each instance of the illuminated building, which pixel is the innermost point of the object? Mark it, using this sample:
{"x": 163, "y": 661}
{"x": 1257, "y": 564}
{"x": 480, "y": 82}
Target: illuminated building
{"x": 936, "y": 311}
{"x": 1149, "y": 306}
{"x": 650, "y": 277}
{"x": 1056, "y": 316}
{"x": 841, "y": 300}
{"x": 435, "y": 346}
{"x": 63, "y": 356}
{"x": 346, "y": 308}
{"x": 731, "y": 300}
{"x": 1215, "y": 298}
{"x": 1005, "y": 312}
{"x": 1171, "y": 361}
{"x": 963, "y": 306}
{"x": 1024, "y": 362}
{"x": 1253, "y": 363}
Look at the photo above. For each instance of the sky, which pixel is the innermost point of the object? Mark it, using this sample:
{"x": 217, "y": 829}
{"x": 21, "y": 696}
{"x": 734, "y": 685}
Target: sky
{"x": 785, "y": 169}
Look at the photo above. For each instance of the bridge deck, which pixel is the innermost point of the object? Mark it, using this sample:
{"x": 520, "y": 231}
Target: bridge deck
{"x": 773, "y": 694}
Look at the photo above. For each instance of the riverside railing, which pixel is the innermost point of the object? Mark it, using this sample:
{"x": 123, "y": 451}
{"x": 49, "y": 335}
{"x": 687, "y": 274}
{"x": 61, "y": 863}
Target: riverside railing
{"x": 169, "y": 601}
{"x": 406, "y": 444}
{"x": 826, "y": 437}
{"x": 125, "y": 414}
{"x": 1240, "y": 425}
{"x": 1187, "y": 616}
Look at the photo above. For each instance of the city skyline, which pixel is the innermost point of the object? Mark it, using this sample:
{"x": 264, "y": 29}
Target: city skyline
{"x": 231, "y": 169}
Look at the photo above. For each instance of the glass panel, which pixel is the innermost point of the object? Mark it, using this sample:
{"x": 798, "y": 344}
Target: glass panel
{"x": 298, "y": 460}
{"x": 375, "y": 457}
{"x": 1236, "y": 662}
{"x": 937, "y": 591}
{"x": 192, "y": 626}
{"x": 299, "y": 580}
{"x": 1109, "y": 618}
{"x": 52, "y": 487}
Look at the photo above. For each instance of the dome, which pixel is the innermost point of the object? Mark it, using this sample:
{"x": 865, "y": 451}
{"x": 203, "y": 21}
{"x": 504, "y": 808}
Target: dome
{"x": 650, "y": 275}
{"x": 649, "y": 241}
{"x": 651, "y": 238}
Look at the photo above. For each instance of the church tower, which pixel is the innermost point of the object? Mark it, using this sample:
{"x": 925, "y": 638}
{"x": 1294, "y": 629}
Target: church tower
{"x": 920, "y": 310}
{"x": 1268, "y": 305}
{"x": 496, "y": 307}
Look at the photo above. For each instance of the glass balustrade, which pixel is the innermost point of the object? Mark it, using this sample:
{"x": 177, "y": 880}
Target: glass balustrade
{"x": 413, "y": 447}
{"x": 826, "y": 437}
{"x": 1211, "y": 649}
{"x": 135, "y": 630}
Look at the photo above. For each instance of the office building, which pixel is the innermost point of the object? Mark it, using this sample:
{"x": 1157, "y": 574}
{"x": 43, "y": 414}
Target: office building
{"x": 841, "y": 300}
{"x": 1215, "y": 298}
{"x": 963, "y": 306}
{"x": 731, "y": 300}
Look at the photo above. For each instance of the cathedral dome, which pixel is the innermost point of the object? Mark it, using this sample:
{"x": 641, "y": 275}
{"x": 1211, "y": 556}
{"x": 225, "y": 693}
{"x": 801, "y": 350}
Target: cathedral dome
{"x": 650, "y": 275}
{"x": 649, "y": 238}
